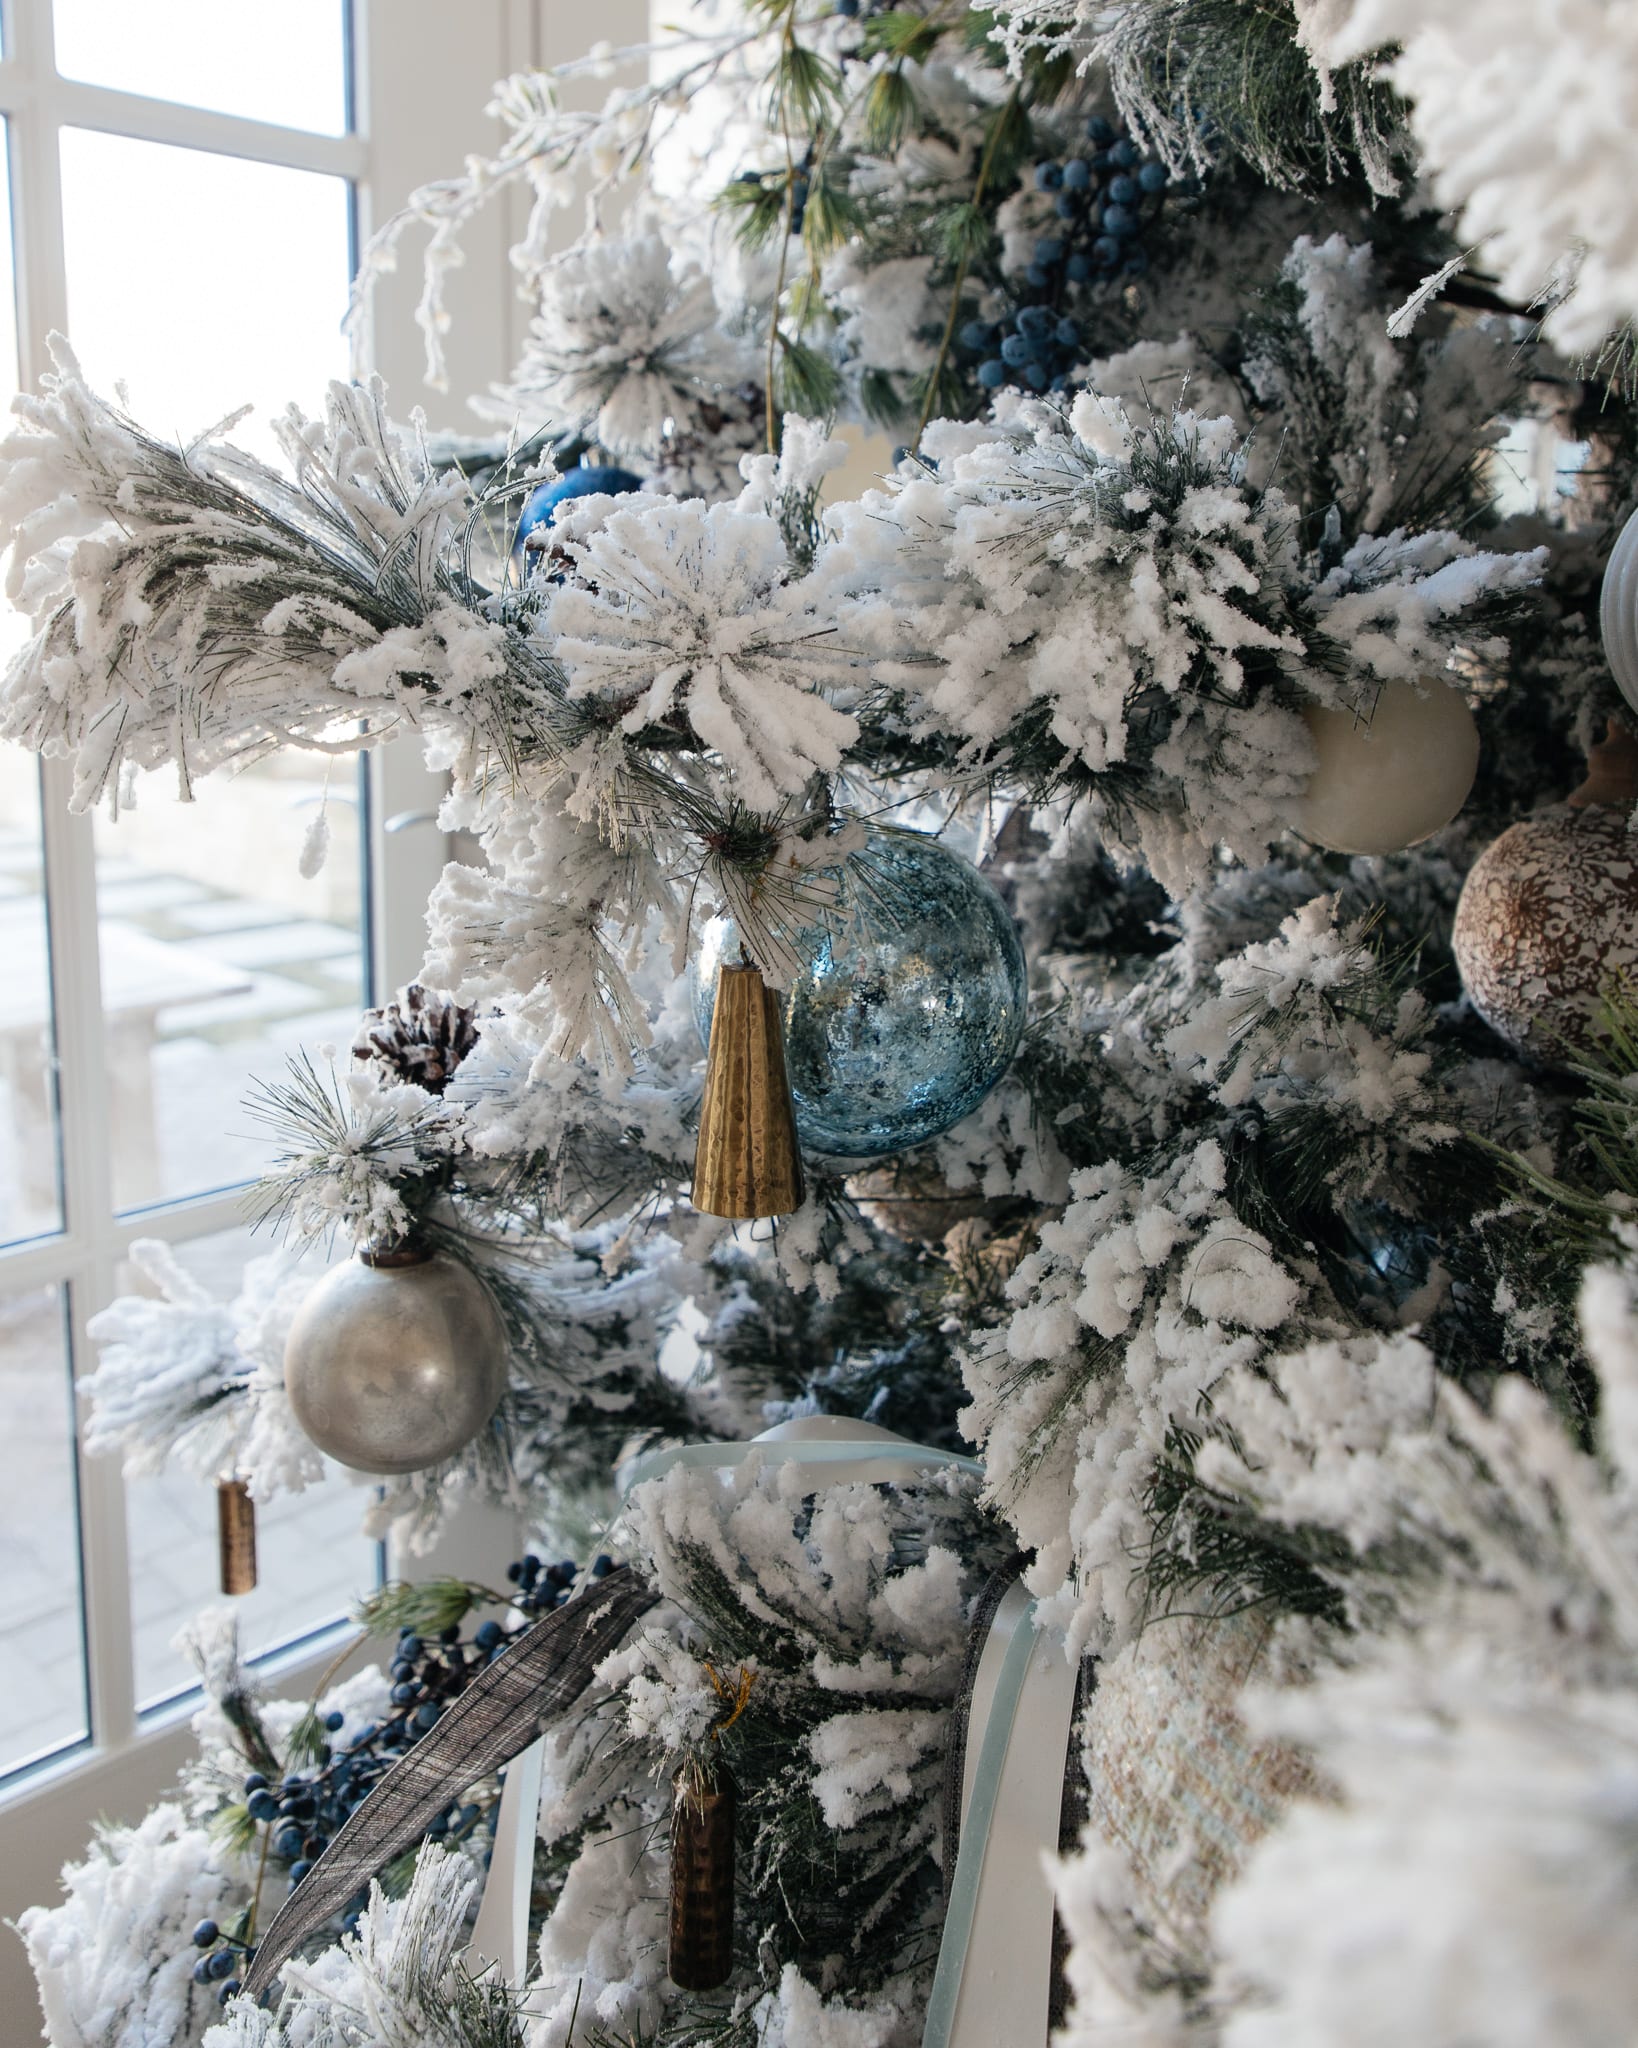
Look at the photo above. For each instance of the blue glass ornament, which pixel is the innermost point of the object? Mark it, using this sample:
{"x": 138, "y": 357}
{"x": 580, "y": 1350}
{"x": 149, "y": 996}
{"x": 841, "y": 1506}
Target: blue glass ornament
{"x": 544, "y": 499}
{"x": 910, "y": 1009}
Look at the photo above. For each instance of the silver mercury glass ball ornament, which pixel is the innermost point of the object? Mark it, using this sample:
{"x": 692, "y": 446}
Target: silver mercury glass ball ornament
{"x": 396, "y": 1360}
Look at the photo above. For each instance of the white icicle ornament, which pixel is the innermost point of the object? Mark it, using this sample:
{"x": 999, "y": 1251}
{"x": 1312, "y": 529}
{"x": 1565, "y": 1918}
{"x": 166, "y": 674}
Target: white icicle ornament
{"x": 1391, "y": 773}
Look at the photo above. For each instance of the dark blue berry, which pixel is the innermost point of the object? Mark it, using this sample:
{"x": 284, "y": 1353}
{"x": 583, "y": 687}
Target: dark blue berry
{"x": 1077, "y": 174}
{"x": 602, "y": 1565}
{"x": 262, "y": 1805}
{"x": 515, "y": 1572}
{"x": 403, "y": 1671}
{"x": 334, "y": 1721}
{"x": 488, "y": 1635}
{"x": 1119, "y": 220}
{"x": 1038, "y": 277}
{"x": 426, "y": 1717}
{"x": 1066, "y": 206}
{"x": 254, "y": 1782}
{"x": 438, "y": 1826}
{"x": 1100, "y": 131}
{"x": 1035, "y": 377}
{"x": 1060, "y": 382}
{"x": 1015, "y": 350}
{"x": 1123, "y": 154}
{"x": 1067, "y": 333}
{"x": 993, "y": 374}
{"x": 299, "y": 1869}
{"x": 204, "y": 1935}
{"x": 1034, "y": 320}
{"x": 1154, "y": 177}
{"x": 287, "y": 1844}
{"x": 1079, "y": 267}
{"x": 1122, "y": 191}
{"x": 402, "y": 1695}
{"x": 975, "y": 335}
{"x": 1048, "y": 177}
{"x": 848, "y": 7}
{"x": 221, "y": 1964}
{"x": 452, "y": 1634}
{"x": 409, "y": 1645}
{"x": 228, "y": 1991}
{"x": 531, "y": 1570}
{"x": 1107, "y": 250}
{"x": 1049, "y": 250}
{"x": 202, "y": 1970}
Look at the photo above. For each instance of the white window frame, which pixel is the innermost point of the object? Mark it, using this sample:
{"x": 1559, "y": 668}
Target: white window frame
{"x": 422, "y": 71}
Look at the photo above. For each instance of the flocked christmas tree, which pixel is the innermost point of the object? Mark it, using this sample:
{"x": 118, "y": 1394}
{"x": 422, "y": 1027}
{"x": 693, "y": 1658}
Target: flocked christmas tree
{"x": 1264, "y": 1226}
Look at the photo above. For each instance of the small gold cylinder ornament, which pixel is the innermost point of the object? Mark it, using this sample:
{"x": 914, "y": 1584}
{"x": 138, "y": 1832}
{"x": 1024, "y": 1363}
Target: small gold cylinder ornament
{"x": 236, "y": 1536}
{"x": 702, "y": 1879}
{"x": 747, "y": 1162}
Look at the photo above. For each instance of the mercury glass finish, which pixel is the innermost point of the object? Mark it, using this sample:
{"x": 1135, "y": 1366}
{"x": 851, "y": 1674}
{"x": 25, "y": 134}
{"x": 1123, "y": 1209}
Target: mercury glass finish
{"x": 911, "y": 1008}
{"x": 394, "y": 1367}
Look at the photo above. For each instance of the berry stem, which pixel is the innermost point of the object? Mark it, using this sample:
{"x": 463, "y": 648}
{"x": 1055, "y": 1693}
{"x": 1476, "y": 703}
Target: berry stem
{"x": 936, "y": 374}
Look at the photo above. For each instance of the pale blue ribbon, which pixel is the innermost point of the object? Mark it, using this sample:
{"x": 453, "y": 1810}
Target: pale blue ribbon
{"x": 975, "y": 1835}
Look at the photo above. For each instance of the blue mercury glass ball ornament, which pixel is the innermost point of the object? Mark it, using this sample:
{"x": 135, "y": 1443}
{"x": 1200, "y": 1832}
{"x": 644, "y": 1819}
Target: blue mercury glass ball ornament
{"x": 544, "y": 499}
{"x": 910, "y": 1009}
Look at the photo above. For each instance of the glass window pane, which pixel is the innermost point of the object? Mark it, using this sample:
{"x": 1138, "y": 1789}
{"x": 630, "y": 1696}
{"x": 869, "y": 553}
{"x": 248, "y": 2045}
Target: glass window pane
{"x": 8, "y": 274}
{"x": 220, "y": 961}
{"x": 203, "y": 282}
{"x": 42, "y": 1647}
{"x": 312, "y": 1561}
{"x": 286, "y": 64}
{"x": 29, "y": 1197}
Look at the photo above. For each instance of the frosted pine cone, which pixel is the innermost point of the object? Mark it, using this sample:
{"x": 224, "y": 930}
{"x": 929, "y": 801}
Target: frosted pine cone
{"x": 422, "y": 1037}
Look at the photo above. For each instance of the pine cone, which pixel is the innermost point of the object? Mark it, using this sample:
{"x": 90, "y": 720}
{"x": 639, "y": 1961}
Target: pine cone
{"x": 422, "y": 1037}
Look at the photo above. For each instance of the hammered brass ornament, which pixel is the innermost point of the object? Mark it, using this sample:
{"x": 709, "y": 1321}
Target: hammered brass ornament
{"x": 747, "y": 1162}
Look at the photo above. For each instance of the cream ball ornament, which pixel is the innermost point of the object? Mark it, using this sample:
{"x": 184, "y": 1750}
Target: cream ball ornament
{"x": 1391, "y": 773}
{"x": 396, "y": 1360}
{"x": 1618, "y": 611}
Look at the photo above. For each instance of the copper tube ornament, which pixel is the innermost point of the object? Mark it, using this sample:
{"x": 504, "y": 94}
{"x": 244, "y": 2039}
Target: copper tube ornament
{"x": 236, "y": 1536}
{"x": 747, "y": 1162}
{"x": 701, "y": 1954}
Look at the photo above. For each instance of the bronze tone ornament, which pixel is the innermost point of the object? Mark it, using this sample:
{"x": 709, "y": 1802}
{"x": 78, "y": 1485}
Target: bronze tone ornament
{"x": 747, "y": 1162}
{"x": 236, "y": 1537}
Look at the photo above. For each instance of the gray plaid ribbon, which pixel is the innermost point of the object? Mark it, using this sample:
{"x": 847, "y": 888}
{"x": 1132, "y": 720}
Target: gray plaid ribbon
{"x": 534, "y": 1682}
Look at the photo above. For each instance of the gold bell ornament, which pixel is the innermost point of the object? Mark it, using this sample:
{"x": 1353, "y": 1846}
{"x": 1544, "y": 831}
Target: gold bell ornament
{"x": 747, "y": 1162}
{"x": 235, "y": 1536}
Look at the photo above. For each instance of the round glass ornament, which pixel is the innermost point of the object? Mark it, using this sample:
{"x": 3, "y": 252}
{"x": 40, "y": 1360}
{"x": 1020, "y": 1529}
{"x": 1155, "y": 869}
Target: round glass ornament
{"x": 910, "y": 1008}
{"x": 395, "y": 1360}
{"x": 535, "y": 520}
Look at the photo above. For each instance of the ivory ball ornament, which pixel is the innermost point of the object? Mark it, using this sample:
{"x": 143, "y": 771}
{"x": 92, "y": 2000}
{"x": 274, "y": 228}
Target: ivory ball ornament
{"x": 1391, "y": 774}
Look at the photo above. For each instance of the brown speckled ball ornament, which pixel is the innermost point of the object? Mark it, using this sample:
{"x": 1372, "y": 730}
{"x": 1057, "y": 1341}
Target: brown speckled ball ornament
{"x": 1548, "y": 917}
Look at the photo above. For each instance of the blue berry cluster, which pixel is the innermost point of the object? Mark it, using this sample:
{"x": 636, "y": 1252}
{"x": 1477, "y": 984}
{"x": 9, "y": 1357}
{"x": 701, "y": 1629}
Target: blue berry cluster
{"x": 304, "y": 1808}
{"x": 1103, "y": 199}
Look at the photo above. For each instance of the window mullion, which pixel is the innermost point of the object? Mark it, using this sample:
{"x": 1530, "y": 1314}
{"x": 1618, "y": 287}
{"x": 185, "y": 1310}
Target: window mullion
{"x": 88, "y": 1208}
{"x": 71, "y": 911}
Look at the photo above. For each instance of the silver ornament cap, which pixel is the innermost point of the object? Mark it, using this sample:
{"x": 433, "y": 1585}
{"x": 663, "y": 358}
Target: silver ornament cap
{"x": 396, "y": 1360}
